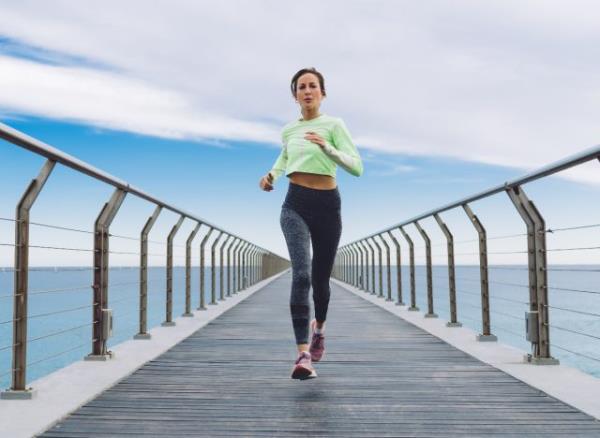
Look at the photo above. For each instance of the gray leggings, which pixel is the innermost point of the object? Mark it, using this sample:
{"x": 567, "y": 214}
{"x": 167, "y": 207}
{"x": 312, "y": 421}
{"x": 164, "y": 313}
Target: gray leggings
{"x": 310, "y": 216}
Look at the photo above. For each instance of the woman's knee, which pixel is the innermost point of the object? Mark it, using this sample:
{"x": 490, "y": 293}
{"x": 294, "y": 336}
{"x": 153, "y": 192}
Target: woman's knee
{"x": 301, "y": 280}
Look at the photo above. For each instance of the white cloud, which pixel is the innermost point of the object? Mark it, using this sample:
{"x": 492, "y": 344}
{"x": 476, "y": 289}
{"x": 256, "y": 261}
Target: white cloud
{"x": 113, "y": 101}
{"x": 500, "y": 82}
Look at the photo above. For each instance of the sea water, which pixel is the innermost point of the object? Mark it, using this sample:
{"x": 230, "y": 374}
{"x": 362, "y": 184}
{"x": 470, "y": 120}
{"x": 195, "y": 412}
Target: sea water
{"x": 60, "y": 308}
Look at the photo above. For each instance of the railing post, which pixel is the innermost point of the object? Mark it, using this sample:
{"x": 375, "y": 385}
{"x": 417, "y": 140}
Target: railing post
{"x": 380, "y": 295}
{"x": 261, "y": 265}
{"x": 266, "y": 264}
{"x": 239, "y": 266}
{"x": 101, "y": 240}
{"x": 345, "y": 265}
{"x": 365, "y": 284}
{"x": 342, "y": 264}
{"x": 213, "y": 277}
{"x": 351, "y": 264}
{"x": 255, "y": 265}
{"x": 451, "y": 272}
{"x": 398, "y": 269}
{"x": 202, "y": 297}
{"x": 483, "y": 275}
{"x": 188, "y": 271}
{"x": 359, "y": 272}
{"x": 18, "y": 388}
{"x": 389, "y": 272}
{"x": 430, "y": 313}
{"x": 250, "y": 264}
{"x": 355, "y": 259}
{"x": 230, "y": 267}
{"x": 372, "y": 267}
{"x": 245, "y": 266}
{"x": 221, "y": 283}
{"x": 169, "y": 311}
{"x": 413, "y": 289}
{"x": 143, "y": 333}
{"x": 236, "y": 263}
{"x": 538, "y": 281}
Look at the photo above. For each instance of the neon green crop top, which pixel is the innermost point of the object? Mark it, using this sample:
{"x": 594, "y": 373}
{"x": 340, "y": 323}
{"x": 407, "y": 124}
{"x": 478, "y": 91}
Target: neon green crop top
{"x": 300, "y": 155}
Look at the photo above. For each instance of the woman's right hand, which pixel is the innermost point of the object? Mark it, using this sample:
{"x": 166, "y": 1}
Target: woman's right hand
{"x": 266, "y": 183}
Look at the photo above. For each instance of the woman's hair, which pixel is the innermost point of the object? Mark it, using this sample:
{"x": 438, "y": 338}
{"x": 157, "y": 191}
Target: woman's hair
{"x": 312, "y": 70}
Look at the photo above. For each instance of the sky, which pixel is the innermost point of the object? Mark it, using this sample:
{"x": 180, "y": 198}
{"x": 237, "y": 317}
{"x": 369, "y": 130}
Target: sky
{"x": 186, "y": 100}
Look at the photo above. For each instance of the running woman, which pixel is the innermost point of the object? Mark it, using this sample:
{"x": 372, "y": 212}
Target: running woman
{"x": 312, "y": 147}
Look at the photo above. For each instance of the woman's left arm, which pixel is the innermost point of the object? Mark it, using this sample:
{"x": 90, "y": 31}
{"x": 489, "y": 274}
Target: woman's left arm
{"x": 343, "y": 151}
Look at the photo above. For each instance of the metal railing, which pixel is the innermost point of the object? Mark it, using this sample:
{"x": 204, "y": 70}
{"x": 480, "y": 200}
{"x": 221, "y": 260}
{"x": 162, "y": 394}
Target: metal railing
{"x": 353, "y": 260}
{"x": 253, "y": 262}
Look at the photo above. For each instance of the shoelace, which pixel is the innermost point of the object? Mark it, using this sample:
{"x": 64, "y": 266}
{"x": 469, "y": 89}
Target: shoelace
{"x": 317, "y": 340}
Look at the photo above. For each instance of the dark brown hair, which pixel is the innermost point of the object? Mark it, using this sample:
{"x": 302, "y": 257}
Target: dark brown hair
{"x": 312, "y": 70}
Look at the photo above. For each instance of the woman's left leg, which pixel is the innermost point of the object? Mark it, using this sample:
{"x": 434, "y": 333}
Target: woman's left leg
{"x": 325, "y": 236}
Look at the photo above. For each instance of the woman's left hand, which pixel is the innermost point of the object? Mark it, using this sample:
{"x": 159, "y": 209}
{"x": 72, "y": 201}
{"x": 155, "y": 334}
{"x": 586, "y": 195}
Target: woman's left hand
{"x": 315, "y": 138}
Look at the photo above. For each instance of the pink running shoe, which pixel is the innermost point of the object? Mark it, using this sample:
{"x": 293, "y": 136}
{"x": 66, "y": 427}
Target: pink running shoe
{"x": 317, "y": 343}
{"x": 303, "y": 368}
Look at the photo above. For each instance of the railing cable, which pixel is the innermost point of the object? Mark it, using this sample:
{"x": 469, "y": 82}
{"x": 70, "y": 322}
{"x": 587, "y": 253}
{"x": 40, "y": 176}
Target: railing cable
{"x": 60, "y": 332}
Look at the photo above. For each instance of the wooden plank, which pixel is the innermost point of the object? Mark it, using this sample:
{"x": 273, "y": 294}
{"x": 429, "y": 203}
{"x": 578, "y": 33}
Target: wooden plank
{"x": 380, "y": 377}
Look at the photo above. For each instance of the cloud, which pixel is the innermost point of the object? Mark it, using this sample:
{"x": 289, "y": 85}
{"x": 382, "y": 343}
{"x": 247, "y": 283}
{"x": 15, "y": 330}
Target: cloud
{"x": 112, "y": 101}
{"x": 501, "y": 82}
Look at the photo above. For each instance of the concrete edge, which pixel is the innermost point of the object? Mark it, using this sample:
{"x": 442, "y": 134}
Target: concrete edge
{"x": 567, "y": 384}
{"x": 64, "y": 391}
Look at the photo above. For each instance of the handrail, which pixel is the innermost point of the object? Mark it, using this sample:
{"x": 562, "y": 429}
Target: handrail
{"x": 538, "y": 316}
{"x": 23, "y": 140}
{"x": 550, "y": 169}
{"x": 265, "y": 263}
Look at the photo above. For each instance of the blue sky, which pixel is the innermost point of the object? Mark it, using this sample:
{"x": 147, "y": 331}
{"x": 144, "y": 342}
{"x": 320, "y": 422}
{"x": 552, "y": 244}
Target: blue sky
{"x": 442, "y": 102}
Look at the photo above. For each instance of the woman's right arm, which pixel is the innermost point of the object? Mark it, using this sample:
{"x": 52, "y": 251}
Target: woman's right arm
{"x": 280, "y": 164}
{"x": 267, "y": 181}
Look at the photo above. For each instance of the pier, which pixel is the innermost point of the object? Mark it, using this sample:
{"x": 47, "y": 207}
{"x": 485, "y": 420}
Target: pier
{"x": 222, "y": 368}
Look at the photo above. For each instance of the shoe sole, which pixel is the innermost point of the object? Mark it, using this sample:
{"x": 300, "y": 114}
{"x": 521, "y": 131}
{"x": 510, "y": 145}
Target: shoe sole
{"x": 316, "y": 359}
{"x": 301, "y": 373}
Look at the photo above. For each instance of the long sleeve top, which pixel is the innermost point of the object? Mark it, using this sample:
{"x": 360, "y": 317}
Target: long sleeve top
{"x": 300, "y": 155}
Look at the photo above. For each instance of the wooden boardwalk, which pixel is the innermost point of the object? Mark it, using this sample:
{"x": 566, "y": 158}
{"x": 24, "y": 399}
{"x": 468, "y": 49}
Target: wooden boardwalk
{"x": 380, "y": 376}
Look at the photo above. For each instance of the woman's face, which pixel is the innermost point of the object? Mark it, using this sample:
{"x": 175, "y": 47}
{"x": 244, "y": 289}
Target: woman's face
{"x": 308, "y": 92}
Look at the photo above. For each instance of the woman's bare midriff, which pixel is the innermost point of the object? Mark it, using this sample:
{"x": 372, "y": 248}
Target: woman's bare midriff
{"x": 313, "y": 181}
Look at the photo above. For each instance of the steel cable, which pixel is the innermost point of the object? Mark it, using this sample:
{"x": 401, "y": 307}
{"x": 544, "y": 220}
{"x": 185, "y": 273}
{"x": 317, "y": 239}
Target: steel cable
{"x": 59, "y": 354}
{"x": 574, "y": 290}
{"x": 61, "y": 248}
{"x": 571, "y": 331}
{"x": 575, "y": 353}
{"x": 59, "y": 332}
{"x": 57, "y": 312}
{"x": 519, "y": 335}
{"x": 572, "y": 311}
{"x": 580, "y": 227}
{"x": 60, "y": 228}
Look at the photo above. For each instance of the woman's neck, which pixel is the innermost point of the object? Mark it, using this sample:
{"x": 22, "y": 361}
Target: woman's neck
{"x": 310, "y": 114}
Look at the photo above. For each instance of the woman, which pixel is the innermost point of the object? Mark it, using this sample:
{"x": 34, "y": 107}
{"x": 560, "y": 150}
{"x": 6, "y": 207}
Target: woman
{"x": 312, "y": 146}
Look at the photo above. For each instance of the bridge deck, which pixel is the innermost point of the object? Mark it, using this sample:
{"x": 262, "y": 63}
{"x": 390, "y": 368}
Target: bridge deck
{"x": 380, "y": 376}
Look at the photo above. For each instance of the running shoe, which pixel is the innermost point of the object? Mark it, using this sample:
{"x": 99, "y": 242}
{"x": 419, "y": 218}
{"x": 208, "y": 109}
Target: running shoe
{"x": 317, "y": 343}
{"x": 303, "y": 368}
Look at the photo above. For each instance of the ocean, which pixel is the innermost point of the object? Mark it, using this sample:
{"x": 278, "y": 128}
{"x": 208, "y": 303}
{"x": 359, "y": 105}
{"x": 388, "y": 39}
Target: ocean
{"x": 60, "y": 309}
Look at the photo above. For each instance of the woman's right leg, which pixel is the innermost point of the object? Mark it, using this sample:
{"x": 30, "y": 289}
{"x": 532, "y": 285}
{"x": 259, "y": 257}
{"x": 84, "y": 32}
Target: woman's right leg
{"x": 297, "y": 237}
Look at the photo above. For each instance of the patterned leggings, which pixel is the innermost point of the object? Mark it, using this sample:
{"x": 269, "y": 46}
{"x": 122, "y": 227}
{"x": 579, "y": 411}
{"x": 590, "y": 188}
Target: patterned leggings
{"x": 310, "y": 215}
